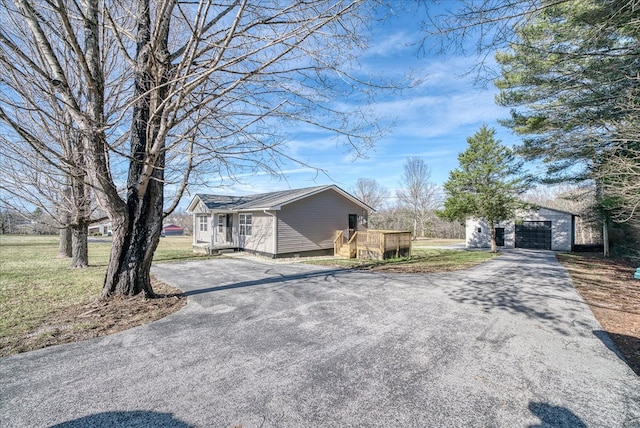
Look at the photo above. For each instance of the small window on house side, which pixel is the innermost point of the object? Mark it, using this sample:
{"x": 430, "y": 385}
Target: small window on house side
{"x": 246, "y": 221}
{"x": 203, "y": 223}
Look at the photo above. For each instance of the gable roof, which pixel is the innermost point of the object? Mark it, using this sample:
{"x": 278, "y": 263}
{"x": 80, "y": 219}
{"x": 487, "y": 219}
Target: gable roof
{"x": 265, "y": 201}
{"x": 537, "y": 207}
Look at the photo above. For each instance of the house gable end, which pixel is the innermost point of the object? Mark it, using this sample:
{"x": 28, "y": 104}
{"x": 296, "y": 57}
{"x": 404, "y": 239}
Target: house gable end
{"x": 272, "y": 201}
{"x": 336, "y": 189}
{"x": 196, "y": 206}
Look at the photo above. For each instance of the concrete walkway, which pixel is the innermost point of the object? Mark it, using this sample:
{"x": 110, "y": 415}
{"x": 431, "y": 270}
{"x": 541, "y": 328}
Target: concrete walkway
{"x": 507, "y": 344}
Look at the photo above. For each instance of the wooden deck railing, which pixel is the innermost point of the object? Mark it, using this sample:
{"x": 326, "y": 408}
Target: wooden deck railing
{"x": 373, "y": 244}
{"x": 344, "y": 248}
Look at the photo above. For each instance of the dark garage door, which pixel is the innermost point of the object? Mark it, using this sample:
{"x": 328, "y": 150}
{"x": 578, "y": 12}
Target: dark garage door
{"x": 534, "y": 235}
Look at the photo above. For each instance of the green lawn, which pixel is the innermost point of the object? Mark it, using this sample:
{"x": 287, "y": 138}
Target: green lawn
{"x": 34, "y": 283}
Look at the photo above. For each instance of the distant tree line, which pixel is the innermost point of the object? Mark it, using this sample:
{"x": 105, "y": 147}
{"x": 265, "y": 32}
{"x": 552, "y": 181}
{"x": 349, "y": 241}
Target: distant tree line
{"x": 411, "y": 207}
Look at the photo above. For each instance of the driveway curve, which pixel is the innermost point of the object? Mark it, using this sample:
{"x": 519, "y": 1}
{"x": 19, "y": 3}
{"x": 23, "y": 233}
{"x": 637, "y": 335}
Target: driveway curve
{"x": 269, "y": 344}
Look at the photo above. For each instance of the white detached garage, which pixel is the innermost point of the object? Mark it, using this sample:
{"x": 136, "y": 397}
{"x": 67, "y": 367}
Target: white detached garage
{"x": 538, "y": 228}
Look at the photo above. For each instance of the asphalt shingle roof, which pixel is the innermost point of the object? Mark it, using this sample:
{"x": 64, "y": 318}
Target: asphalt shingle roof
{"x": 260, "y": 201}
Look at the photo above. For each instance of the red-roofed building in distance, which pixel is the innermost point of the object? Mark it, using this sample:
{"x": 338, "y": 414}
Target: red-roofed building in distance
{"x": 172, "y": 230}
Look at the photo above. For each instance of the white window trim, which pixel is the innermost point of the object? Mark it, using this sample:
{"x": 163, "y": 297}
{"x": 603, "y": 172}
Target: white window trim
{"x": 203, "y": 222}
{"x": 221, "y": 218}
{"x": 245, "y": 222}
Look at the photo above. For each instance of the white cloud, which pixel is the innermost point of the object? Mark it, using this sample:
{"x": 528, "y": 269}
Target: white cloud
{"x": 393, "y": 44}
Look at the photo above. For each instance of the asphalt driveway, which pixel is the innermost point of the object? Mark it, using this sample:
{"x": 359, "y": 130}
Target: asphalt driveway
{"x": 261, "y": 344}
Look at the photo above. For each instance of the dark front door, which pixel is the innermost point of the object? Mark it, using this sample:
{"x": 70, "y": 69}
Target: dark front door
{"x": 500, "y": 236}
{"x": 229, "y": 227}
{"x": 534, "y": 235}
{"x": 353, "y": 224}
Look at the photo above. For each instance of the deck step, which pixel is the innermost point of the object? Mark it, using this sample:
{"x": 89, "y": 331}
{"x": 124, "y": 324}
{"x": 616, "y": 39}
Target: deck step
{"x": 343, "y": 252}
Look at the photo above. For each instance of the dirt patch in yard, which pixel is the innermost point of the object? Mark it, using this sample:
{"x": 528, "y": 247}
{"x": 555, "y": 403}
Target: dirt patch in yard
{"x": 97, "y": 318}
{"x": 608, "y": 287}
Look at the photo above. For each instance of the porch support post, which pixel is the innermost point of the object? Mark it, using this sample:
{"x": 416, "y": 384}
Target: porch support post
{"x": 195, "y": 231}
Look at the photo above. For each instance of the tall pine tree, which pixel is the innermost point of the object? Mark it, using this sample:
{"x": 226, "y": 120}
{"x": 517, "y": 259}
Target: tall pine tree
{"x": 486, "y": 184}
{"x": 572, "y": 76}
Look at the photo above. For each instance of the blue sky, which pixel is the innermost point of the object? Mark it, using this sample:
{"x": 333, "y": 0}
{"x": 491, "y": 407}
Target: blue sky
{"x": 432, "y": 119}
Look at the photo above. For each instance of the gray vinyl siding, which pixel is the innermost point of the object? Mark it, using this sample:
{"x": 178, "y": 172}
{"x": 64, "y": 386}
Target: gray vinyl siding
{"x": 202, "y": 236}
{"x": 311, "y": 223}
{"x": 261, "y": 239}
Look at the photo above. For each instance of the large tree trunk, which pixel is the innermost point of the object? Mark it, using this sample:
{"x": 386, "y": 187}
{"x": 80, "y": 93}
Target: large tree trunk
{"x": 605, "y": 236}
{"x": 492, "y": 233}
{"x": 81, "y": 213}
{"x": 135, "y": 239}
{"x": 64, "y": 246}
{"x": 136, "y": 233}
{"x": 80, "y": 253}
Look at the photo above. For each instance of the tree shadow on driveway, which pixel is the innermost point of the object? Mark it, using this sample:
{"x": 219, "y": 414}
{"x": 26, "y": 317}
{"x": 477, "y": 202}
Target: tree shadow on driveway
{"x": 555, "y": 416}
{"x": 324, "y": 274}
{"x": 614, "y": 342}
{"x": 134, "y": 418}
{"x": 526, "y": 283}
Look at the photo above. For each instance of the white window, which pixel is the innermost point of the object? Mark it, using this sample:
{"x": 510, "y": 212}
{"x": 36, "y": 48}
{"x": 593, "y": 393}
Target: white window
{"x": 203, "y": 221}
{"x": 221, "y": 223}
{"x": 245, "y": 224}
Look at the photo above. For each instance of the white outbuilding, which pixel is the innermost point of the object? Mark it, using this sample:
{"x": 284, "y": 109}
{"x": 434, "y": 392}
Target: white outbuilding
{"x": 538, "y": 228}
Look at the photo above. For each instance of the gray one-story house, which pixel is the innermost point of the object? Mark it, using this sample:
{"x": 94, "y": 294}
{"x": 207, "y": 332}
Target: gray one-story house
{"x": 288, "y": 223}
{"x": 537, "y": 228}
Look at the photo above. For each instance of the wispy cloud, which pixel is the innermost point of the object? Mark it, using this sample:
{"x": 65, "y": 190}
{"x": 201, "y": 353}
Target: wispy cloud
{"x": 393, "y": 43}
{"x": 433, "y": 117}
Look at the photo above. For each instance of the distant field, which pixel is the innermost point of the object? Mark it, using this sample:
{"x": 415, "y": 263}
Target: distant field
{"x": 34, "y": 283}
{"x": 435, "y": 242}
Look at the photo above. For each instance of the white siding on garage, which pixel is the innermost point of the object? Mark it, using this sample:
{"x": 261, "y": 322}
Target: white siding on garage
{"x": 561, "y": 226}
{"x": 477, "y": 233}
{"x": 311, "y": 223}
{"x": 562, "y": 229}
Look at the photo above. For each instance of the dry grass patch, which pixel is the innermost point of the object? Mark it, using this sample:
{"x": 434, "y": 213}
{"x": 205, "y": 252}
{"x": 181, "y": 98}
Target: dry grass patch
{"x": 613, "y": 295}
{"x": 82, "y": 321}
{"x": 43, "y": 302}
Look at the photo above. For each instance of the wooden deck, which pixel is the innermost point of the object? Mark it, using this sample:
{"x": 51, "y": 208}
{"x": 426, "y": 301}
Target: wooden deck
{"x": 373, "y": 244}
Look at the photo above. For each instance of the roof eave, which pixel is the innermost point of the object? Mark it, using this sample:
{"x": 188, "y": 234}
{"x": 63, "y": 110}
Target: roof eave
{"x": 193, "y": 204}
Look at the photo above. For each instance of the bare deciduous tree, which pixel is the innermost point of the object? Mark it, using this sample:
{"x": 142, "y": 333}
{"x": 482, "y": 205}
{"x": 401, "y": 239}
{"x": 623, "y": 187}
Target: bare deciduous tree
{"x": 369, "y": 191}
{"x": 195, "y": 87}
{"x": 418, "y": 195}
{"x": 55, "y": 185}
